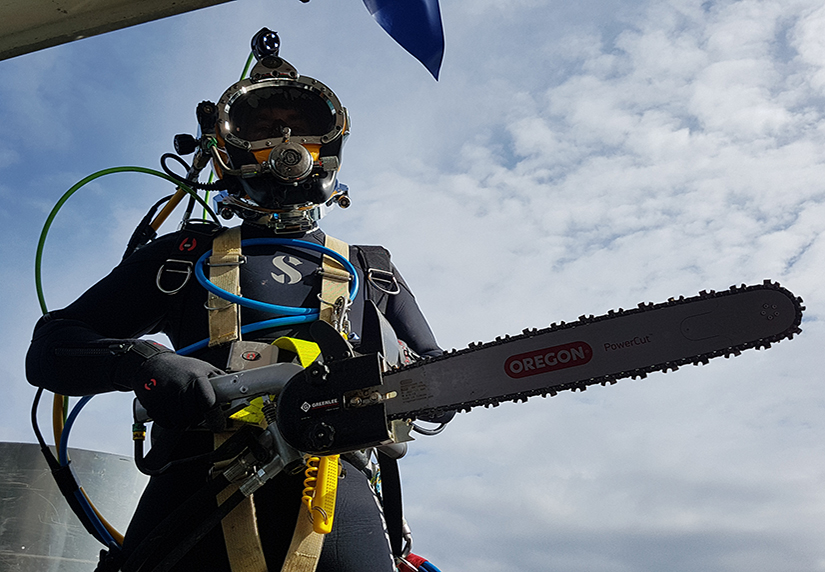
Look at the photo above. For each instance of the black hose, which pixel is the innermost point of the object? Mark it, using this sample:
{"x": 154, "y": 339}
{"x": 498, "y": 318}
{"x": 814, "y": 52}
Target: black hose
{"x": 207, "y": 524}
{"x": 35, "y": 426}
{"x": 169, "y": 533}
{"x": 144, "y": 232}
{"x": 241, "y": 440}
{"x": 221, "y": 185}
{"x": 165, "y": 157}
{"x": 140, "y": 461}
{"x": 63, "y": 475}
{"x": 429, "y": 432}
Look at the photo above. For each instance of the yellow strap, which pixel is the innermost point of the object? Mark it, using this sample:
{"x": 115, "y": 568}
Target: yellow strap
{"x": 240, "y": 529}
{"x": 224, "y": 272}
{"x": 336, "y": 279}
{"x": 305, "y": 548}
{"x": 306, "y": 545}
{"x": 307, "y": 351}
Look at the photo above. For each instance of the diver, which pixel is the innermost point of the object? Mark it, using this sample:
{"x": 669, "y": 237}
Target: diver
{"x": 275, "y": 141}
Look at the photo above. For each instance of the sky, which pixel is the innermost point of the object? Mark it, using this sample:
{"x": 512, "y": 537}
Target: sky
{"x": 573, "y": 158}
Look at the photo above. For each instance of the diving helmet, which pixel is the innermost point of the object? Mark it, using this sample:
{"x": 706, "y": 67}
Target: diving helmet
{"x": 279, "y": 137}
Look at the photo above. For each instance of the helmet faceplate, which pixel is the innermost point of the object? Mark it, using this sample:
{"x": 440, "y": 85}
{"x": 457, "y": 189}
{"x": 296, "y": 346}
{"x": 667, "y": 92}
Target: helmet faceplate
{"x": 280, "y": 136}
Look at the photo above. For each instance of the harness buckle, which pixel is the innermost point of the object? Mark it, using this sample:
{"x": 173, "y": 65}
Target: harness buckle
{"x": 340, "y": 314}
{"x": 333, "y": 274}
{"x": 241, "y": 260}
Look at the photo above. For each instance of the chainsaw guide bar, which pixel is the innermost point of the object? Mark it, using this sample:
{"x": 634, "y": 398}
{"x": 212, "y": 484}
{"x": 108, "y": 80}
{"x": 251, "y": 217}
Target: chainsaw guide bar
{"x": 596, "y": 350}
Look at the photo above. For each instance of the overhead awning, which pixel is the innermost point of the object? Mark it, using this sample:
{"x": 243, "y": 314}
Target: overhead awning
{"x": 30, "y": 25}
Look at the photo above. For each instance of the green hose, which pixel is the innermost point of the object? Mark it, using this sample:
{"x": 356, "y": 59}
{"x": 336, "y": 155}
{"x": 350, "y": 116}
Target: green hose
{"x": 248, "y": 63}
{"x": 39, "y": 256}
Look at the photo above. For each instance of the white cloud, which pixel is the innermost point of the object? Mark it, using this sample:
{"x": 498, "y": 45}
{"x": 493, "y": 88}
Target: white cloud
{"x": 809, "y": 42}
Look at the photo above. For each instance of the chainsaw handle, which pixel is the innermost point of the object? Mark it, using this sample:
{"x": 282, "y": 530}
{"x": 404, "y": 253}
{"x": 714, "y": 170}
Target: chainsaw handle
{"x": 251, "y": 383}
{"x": 237, "y": 389}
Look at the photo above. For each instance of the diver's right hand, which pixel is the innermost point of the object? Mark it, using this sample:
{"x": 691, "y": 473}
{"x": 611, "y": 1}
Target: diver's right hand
{"x": 175, "y": 390}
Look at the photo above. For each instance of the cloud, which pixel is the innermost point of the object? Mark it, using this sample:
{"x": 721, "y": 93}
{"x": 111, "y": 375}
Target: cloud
{"x": 576, "y": 159}
{"x": 807, "y": 39}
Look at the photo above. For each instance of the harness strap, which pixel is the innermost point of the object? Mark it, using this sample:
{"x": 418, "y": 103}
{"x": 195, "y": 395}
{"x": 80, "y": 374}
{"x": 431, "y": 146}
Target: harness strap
{"x": 334, "y": 285}
{"x": 240, "y": 530}
{"x": 305, "y": 548}
{"x": 392, "y": 503}
{"x": 243, "y": 544}
{"x": 380, "y": 281}
{"x": 224, "y": 272}
{"x": 306, "y": 545}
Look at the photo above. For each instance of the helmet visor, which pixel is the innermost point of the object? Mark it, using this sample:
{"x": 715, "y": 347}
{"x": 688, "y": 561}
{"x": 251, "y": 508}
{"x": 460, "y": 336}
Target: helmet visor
{"x": 265, "y": 112}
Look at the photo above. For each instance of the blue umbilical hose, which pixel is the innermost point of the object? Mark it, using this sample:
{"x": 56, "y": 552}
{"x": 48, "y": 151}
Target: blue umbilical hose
{"x": 103, "y": 535}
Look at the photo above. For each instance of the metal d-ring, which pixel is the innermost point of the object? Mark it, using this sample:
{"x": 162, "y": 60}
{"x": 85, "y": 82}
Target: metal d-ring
{"x": 186, "y": 269}
{"x": 374, "y": 274}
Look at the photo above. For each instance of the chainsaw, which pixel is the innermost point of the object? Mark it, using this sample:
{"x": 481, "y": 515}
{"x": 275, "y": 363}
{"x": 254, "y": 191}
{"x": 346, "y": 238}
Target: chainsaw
{"x": 350, "y": 400}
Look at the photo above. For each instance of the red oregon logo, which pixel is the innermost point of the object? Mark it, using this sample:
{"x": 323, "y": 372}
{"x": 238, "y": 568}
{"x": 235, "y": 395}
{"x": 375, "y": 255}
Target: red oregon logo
{"x": 548, "y": 359}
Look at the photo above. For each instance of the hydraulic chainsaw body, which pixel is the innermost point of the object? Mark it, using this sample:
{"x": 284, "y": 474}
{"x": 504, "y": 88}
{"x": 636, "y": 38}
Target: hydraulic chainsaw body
{"x": 348, "y": 401}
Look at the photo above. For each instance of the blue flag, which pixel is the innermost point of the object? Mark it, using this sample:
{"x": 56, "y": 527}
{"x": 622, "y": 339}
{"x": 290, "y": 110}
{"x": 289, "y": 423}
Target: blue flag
{"x": 416, "y": 25}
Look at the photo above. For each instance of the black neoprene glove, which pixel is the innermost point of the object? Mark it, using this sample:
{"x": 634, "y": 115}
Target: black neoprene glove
{"x": 175, "y": 390}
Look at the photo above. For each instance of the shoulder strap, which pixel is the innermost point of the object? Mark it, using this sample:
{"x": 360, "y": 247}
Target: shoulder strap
{"x": 306, "y": 545}
{"x": 334, "y": 285}
{"x": 380, "y": 280}
{"x": 381, "y": 283}
{"x": 392, "y": 503}
{"x": 190, "y": 243}
{"x": 225, "y": 272}
{"x": 240, "y": 529}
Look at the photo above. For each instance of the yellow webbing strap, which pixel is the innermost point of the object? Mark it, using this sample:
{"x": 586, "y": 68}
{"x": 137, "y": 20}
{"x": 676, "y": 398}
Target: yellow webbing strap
{"x": 306, "y": 545}
{"x": 307, "y": 351}
{"x": 240, "y": 529}
{"x": 336, "y": 280}
{"x": 224, "y": 272}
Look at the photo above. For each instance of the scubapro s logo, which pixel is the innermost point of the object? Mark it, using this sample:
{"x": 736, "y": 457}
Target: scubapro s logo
{"x": 286, "y": 264}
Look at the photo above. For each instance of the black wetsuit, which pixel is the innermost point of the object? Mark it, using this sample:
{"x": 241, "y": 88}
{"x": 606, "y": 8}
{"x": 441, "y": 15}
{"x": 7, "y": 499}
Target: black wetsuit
{"x": 66, "y": 357}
